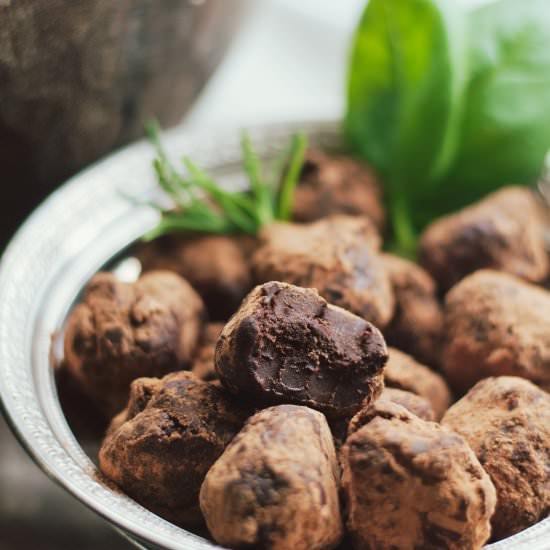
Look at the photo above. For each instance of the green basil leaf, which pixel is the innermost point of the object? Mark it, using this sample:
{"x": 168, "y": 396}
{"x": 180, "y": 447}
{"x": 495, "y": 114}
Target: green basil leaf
{"x": 406, "y": 80}
{"x": 506, "y": 125}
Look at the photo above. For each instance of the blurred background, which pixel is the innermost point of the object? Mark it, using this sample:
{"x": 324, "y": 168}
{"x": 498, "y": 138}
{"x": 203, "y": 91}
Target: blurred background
{"x": 77, "y": 80}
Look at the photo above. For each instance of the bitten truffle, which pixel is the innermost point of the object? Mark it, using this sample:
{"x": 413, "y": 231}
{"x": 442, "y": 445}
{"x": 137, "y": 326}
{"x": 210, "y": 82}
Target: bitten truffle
{"x": 203, "y": 363}
{"x": 124, "y": 331}
{"x": 287, "y": 345}
{"x": 404, "y": 373}
{"x": 414, "y": 484}
{"x": 506, "y": 421}
{"x": 217, "y": 267}
{"x": 275, "y": 486}
{"x": 159, "y": 449}
{"x": 502, "y": 232}
{"x": 496, "y": 324}
{"x": 338, "y": 256}
{"x": 337, "y": 184}
{"x": 417, "y": 322}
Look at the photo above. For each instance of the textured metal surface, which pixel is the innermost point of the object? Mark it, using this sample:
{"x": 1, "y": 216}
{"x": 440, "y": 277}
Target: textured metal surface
{"x": 76, "y": 231}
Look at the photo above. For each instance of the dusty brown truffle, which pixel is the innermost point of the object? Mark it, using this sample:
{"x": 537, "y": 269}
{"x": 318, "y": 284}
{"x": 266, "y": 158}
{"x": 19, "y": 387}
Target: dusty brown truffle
{"x": 404, "y": 373}
{"x": 503, "y": 232}
{"x": 341, "y": 428}
{"x": 418, "y": 405}
{"x": 417, "y": 322}
{"x": 159, "y": 449}
{"x": 413, "y": 484}
{"x": 506, "y": 421}
{"x": 496, "y": 324}
{"x": 338, "y": 256}
{"x": 203, "y": 363}
{"x": 337, "y": 184}
{"x": 123, "y": 331}
{"x": 385, "y": 408}
{"x": 287, "y": 345}
{"x": 217, "y": 267}
{"x": 275, "y": 486}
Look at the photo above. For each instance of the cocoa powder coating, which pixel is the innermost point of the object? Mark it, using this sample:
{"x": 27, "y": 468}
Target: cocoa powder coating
{"x": 496, "y": 324}
{"x": 122, "y": 331}
{"x": 160, "y": 447}
{"x": 337, "y": 184}
{"x": 417, "y": 322}
{"x": 342, "y": 427}
{"x": 404, "y": 373}
{"x": 412, "y": 484}
{"x": 502, "y": 232}
{"x": 339, "y": 256}
{"x": 276, "y": 486}
{"x": 414, "y": 403}
{"x": 506, "y": 421}
{"x": 217, "y": 266}
{"x": 383, "y": 408}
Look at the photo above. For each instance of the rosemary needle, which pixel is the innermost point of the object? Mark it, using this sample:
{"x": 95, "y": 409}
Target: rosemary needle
{"x": 202, "y": 205}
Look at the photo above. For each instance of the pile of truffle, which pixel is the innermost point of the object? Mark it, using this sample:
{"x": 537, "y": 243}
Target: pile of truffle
{"x": 253, "y": 397}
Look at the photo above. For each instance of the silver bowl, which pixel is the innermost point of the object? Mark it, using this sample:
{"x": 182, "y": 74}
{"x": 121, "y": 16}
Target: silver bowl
{"x": 79, "y": 229}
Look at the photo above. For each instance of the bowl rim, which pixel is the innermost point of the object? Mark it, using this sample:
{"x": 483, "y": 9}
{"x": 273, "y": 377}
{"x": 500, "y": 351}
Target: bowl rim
{"x": 45, "y": 266}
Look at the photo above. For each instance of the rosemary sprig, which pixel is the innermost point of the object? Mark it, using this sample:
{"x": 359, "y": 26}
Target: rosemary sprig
{"x": 201, "y": 205}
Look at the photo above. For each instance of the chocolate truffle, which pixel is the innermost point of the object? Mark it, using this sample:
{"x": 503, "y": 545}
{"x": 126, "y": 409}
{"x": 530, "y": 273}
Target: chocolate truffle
{"x": 418, "y": 405}
{"x": 275, "y": 486}
{"x": 338, "y": 256}
{"x": 404, "y": 373}
{"x": 341, "y": 428}
{"x": 159, "y": 449}
{"x": 384, "y": 408}
{"x": 216, "y": 266}
{"x": 123, "y": 331}
{"x": 417, "y": 322}
{"x": 413, "y": 484}
{"x": 506, "y": 421}
{"x": 496, "y": 324}
{"x": 203, "y": 363}
{"x": 337, "y": 184}
{"x": 502, "y": 232}
{"x": 287, "y": 345}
